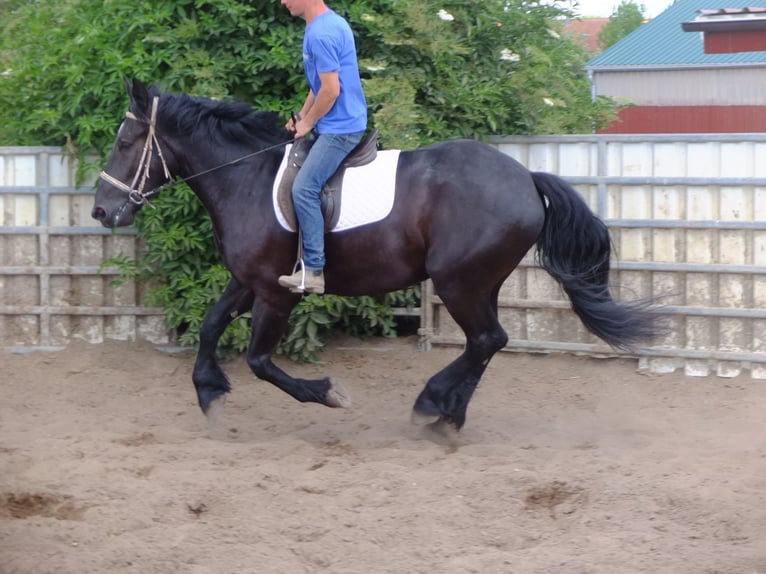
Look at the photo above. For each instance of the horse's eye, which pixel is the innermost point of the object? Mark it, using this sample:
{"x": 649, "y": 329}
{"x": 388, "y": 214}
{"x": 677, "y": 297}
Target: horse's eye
{"x": 122, "y": 145}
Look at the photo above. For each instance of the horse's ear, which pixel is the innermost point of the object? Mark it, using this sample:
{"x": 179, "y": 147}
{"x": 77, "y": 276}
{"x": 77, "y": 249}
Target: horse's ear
{"x": 139, "y": 97}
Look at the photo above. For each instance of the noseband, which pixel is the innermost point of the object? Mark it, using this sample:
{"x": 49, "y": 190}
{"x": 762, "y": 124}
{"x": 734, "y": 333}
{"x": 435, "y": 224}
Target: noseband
{"x": 135, "y": 190}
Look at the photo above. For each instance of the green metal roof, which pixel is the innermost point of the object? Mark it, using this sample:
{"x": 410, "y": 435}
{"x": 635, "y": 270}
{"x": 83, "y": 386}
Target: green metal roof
{"x": 661, "y": 42}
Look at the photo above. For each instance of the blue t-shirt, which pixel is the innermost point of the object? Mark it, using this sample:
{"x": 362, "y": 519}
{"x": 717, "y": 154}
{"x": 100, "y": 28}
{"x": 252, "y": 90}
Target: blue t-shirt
{"x": 328, "y": 46}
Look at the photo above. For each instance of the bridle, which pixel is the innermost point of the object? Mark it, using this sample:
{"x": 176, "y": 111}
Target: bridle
{"x": 135, "y": 190}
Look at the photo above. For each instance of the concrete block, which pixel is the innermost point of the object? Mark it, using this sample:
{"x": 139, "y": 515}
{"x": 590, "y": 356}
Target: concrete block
{"x": 516, "y": 151}
{"x": 576, "y": 160}
{"x": 634, "y": 245}
{"x": 732, "y": 291}
{"x": 737, "y": 159}
{"x": 542, "y": 287}
{"x": 706, "y": 159}
{"x": 515, "y": 286}
{"x": 664, "y": 247}
{"x": 154, "y": 330}
{"x": 734, "y": 335}
{"x": 23, "y": 170}
{"x": 659, "y": 366}
{"x": 636, "y": 203}
{"x": 543, "y": 157}
{"x": 670, "y": 160}
{"x": 88, "y": 291}
{"x": 675, "y": 335}
{"x": 22, "y": 331}
{"x": 23, "y": 250}
{"x": 758, "y": 328}
{"x": 696, "y": 368}
{"x": 733, "y": 247}
{"x": 59, "y": 211}
{"x": 668, "y": 286}
{"x": 701, "y": 333}
{"x": 759, "y": 203}
{"x": 701, "y": 290}
{"x": 631, "y": 159}
{"x": 631, "y": 285}
{"x": 88, "y": 329}
{"x": 701, "y": 245}
{"x": 701, "y": 203}
{"x": 60, "y": 249}
{"x": 120, "y": 328}
{"x": 82, "y": 205}
{"x": 60, "y": 330}
{"x": 61, "y": 291}
{"x": 115, "y": 245}
{"x": 25, "y": 211}
{"x": 513, "y": 322}
{"x": 543, "y": 325}
{"x": 59, "y": 172}
{"x": 728, "y": 369}
{"x": 87, "y": 250}
{"x": 22, "y": 290}
{"x": 669, "y": 203}
{"x": 736, "y": 204}
{"x": 119, "y": 292}
{"x": 759, "y": 167}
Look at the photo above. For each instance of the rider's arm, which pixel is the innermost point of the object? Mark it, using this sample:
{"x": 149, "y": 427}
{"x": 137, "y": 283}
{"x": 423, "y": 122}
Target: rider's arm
{"x": 316, "y": 106}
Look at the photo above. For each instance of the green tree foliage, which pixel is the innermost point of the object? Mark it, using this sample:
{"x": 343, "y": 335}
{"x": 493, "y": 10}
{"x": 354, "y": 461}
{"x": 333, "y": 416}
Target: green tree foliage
{"x": 441, "y": 70}
{"x": 431, "y": 71}
{"x": 625, "y": 18}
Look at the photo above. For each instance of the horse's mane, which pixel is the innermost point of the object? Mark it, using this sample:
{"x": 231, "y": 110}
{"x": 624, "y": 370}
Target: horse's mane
{"x": 220, "y": 121}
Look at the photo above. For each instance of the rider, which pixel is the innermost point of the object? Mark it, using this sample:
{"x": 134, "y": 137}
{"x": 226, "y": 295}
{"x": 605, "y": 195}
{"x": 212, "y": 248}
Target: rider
{"x": 336, "y": 108}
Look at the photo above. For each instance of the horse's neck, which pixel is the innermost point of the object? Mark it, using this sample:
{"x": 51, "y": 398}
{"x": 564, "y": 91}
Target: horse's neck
{"x": 233, "y": 193}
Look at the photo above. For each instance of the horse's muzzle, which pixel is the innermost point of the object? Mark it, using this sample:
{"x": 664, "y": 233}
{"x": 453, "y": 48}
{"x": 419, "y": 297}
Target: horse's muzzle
{"x": 98, "y": 213}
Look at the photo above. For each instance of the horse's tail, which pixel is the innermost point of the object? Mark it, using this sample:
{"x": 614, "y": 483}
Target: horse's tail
{"x": 574, "y": 247}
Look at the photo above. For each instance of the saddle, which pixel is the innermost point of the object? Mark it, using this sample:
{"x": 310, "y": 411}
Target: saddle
{"x": 330, "y": 197}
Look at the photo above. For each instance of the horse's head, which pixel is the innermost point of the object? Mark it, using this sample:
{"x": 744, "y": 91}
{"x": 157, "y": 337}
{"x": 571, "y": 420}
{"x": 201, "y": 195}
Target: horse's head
{"x": 136, "y": 166}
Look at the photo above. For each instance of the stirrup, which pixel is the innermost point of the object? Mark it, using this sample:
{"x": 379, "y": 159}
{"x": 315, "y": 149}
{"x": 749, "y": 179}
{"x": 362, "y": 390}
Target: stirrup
{"x": 302, "y": 287}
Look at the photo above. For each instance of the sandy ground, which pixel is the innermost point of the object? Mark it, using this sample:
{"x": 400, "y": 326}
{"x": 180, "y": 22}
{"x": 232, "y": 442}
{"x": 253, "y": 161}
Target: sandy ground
{"x": 566, "y": 465}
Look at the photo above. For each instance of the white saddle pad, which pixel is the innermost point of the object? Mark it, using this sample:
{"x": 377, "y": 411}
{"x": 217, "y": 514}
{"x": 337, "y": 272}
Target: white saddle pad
{"x": 368, "y": 191}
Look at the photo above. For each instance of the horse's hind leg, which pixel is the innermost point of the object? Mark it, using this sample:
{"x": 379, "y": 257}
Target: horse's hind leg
{"x": 209, "y": 379}
{"x": 446, "y": 395}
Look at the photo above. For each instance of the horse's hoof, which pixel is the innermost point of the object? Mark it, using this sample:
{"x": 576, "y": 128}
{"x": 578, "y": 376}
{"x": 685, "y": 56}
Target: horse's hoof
{"x": 424, "y": 419}
{"x": 215, "y": 410}
{"x": 337, "y": 396}
{"x": 445, "y": 432}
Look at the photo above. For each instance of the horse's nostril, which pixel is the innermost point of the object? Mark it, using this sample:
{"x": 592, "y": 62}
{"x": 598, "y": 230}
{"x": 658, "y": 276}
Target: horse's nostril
{"x": 98, "y": 213}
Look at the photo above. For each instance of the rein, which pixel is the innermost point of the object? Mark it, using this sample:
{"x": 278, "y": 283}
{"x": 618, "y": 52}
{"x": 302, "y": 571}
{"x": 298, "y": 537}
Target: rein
{"x": 137, "y": 195}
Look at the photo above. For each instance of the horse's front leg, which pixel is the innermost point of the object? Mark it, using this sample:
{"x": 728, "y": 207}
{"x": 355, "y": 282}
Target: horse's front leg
{"x": 269, "y": 324}
{"x": 209, "y": 379}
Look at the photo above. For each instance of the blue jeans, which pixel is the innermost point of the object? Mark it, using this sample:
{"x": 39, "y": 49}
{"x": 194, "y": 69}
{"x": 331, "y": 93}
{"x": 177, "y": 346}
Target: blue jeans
{"x": 323, "y": 160}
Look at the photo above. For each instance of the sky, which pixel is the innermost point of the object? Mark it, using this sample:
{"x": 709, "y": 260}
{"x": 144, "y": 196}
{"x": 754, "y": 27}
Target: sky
{"x": 604, "y": 8}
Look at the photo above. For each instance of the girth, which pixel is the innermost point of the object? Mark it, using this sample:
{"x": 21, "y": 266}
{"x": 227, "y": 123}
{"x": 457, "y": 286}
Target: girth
{"x": 330, "y": 197}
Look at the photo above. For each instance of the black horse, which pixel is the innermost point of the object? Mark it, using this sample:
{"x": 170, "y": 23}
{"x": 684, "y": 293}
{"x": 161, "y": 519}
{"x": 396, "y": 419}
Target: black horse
{"x": 464, "y": 215}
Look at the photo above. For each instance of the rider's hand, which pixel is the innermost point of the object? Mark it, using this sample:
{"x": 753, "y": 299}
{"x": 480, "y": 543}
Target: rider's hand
{"x": 302, "y": 128}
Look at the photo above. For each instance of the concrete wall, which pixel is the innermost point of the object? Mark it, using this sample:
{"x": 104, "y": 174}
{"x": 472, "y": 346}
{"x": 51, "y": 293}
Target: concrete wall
{"x": 687, "y": 216}
{"x": 51, "y": 287}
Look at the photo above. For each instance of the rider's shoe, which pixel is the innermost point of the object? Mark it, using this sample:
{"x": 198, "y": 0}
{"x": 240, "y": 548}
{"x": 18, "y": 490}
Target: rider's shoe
{"x": 304, "y": 281}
